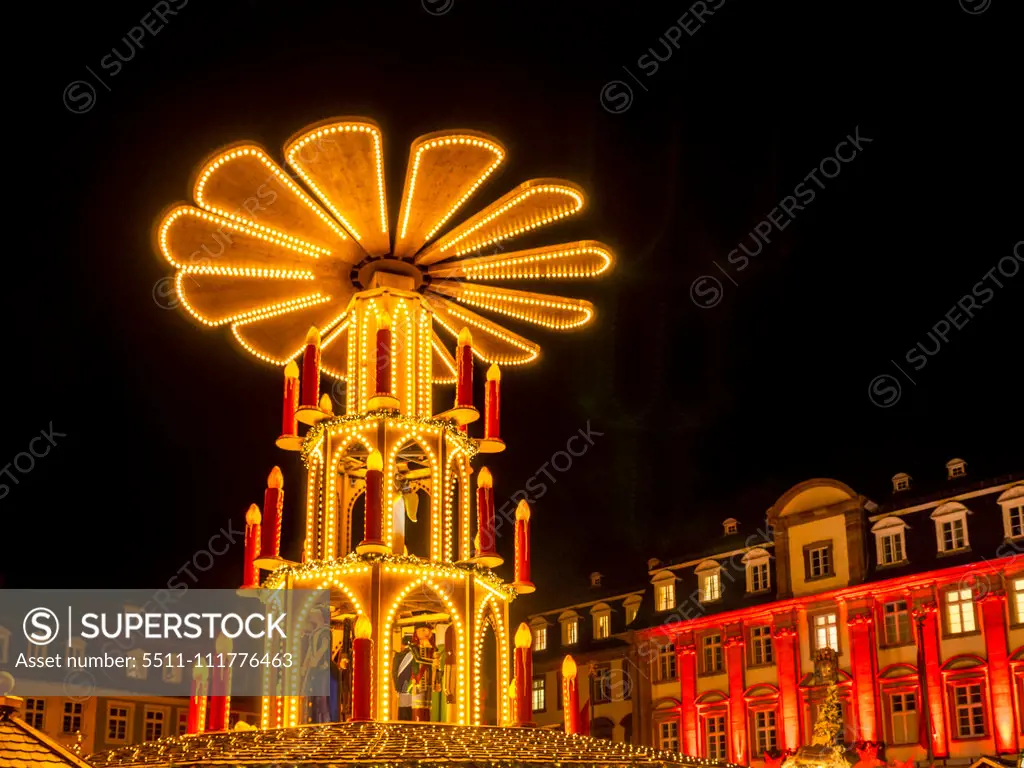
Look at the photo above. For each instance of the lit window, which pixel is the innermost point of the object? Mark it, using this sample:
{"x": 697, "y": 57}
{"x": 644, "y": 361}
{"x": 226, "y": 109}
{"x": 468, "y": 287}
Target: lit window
{"x": 904, "y": 718}
{"x": 819, "y": 562}
{"x": 956, "y": 468}
{"x": 759, "y": 578}
{"x": 154, "y": 724}
{"x": 731, "y": 526}
{"x": 183, "y": 722}
{"x": 632, "y": 606}
{"x": 666, "y": 594}
{"x": 1012, "y": 502}
{"x": 572, "y": 632}
{"x": 897, "y": 623}
{"x": 960, "y": 611}
{"x": 602, "y": 625}
{"x": 714, "y": 733}
{"x": 117, "y": 723}
{"x": 761, "y": 645}
{"x": 970, "y": 711}
{"x": 1018, "y": 598}
{"x": 539, "y": 694}
{"x": 712, "y": 652}
{"x": 540, "y": 638}
{"x": 35, "y": 712}
{"x": 892, "y": 548}
{"x": 72, "y": 720}
{"x": 826, "y": 632}
{"x": 710, "y": 587}
{"x": 764, "y": 732}
{"x": 668, "y": 736}
{"x": 667, "y": 662}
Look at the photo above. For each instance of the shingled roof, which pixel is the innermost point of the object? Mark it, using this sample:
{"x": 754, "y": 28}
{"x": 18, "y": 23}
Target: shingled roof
{"x": 22, "y": 746}
{"x": 389, "y": 743}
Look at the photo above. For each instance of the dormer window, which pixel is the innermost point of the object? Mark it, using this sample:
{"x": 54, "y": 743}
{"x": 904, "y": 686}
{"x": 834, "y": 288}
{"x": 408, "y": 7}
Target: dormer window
{"x": 664, "y": 583}
{"x": 709, "y": 577}
{"x": 758, "y": 563}
{"x": 570, "y": 622}
{"x": 602, "y": 614}
{"x": 956, "y": 468}
{"x": 900, "y": 482}
{"x": 951, "y": 527}
{"x": 539, "y": 630}
{"x": 731, "y": 526}
{"x": 890, "y": 540}
{"x": 631, "y": 605}
{"x": 595, "y": 579}
{"x": 1012, "y": 503}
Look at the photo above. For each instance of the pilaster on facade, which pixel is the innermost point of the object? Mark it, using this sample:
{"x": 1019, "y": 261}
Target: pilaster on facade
{"x": 686, "y": 668}
{"x": 993, "y": 612}
{"x": 734, "y": 651}
{"x": 863, "y": 667}
{"x": 787, "y": 661}
{"x": 926, "y": 614}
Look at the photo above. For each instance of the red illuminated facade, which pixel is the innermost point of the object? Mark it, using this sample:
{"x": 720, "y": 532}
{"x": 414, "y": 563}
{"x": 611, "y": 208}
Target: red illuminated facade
{"x": 921, "y": 596}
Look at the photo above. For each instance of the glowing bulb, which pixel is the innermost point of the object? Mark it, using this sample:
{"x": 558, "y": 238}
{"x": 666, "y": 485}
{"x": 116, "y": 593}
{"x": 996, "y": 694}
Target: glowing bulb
{"x": 465, "y": 337}
{"x": 375, "y": 461}
{"x": 200, "y": 673}
{"x": 383, "y": 320}
{"x": 224, "y": 644}
{"x": 523, "y": 510}
{"x": 569, "y": 668}
{"x": 275, "y": 479}
{"x": 252, "y": 515}
{"x": 494, "y": 373}
{"x": 484, "y": 479}
{"x": 291, "y": 371}
{"x": 524, "y": 638}
{"x": 325, "y": 403}
{"x": 313, "y": 335}
{"x": 363, "y": 628}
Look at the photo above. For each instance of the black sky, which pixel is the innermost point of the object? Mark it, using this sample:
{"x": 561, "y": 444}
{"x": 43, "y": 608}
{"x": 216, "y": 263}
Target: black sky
{"x": 704, "y": 412}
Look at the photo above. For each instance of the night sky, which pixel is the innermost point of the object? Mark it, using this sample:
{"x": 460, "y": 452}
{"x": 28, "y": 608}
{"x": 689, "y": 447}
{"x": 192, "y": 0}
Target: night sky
{"x": 704, "y": 412}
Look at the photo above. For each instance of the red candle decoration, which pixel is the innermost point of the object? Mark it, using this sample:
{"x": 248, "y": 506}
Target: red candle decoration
{"x": 374, "y": 516}
{"x": 383, "y": 381}
{"x": 220, "y": 686}
{"x": 486, "y": 553}
{"x": 362, "y": 684}
{"x": 522, "y": 581}
{"x": 464, "y": 370}
{"x": 511, "y": 693}
{"x": 570, "y": 696}
{"x": 311, "y": 369}
{"x": 289, "y": 424}
{"x": 251, "y": 571}
{"x": 273, "y": 500}
{"x": 524, "y": 675}
{"x": 197, "y": 701}
{"x": 492, "y": 404}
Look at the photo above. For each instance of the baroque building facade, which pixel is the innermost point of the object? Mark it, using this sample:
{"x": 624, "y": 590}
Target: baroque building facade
{"x": 921, "y": 596}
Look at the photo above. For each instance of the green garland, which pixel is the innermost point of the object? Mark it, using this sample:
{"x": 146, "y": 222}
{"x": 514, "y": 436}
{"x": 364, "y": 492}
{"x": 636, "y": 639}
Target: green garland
{"x": 316, "y": 432}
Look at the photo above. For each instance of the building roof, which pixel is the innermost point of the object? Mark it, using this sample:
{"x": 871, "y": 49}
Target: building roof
{"x": 390, "y": 743}
{"x": 22, "y": 746}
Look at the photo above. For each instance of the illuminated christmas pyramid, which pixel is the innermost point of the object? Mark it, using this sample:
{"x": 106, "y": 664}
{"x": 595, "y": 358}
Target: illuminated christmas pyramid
{"x": 396, "y": 528}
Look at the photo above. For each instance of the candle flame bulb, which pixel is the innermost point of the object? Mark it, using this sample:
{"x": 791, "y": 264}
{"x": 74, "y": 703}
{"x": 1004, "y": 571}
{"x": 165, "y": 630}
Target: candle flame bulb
{"x": 569, "y": 668}
{"x": 325, "y": 403}
{"x": 275, "y": 479}
{"x": 363, "y": 628}
{"x": 375, "y": 461}
{"x": 224, "y": 644}
{"x": 522, "y": 510}
{"x": 313, "y": 336}
{"x": 383, "y": 320}
{"x": 252, "y": 515}
{"x": 484, "y": 479}
{"x": 291, "y": 371}
{"x": 465, "y": 337}
{"x": 524, "y": 638}
{"x": 494, "y": 373}
{"x": 200, "y": 673}
{"x": 512, "y": 690}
